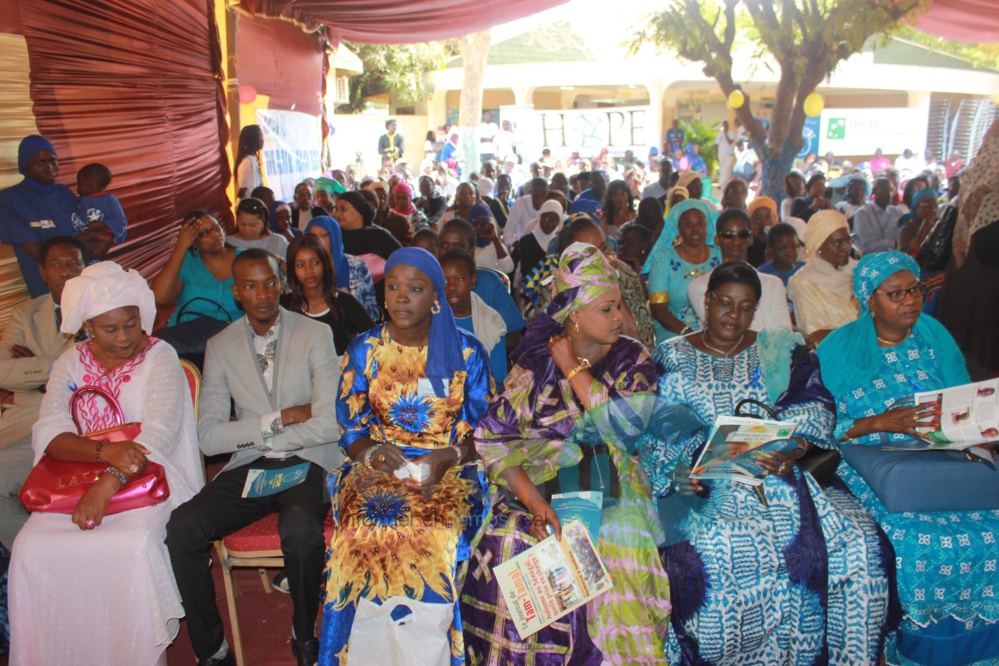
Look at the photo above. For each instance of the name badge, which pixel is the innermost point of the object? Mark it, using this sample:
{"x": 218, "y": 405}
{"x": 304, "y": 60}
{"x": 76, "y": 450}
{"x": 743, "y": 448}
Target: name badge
{"x": 42, "y": 224}
{"x": 424, "y": 388}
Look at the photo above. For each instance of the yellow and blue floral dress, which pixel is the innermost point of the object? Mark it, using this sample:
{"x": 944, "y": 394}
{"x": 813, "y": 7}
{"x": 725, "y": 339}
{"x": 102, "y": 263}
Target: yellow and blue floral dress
{"x": 393, "y": 544}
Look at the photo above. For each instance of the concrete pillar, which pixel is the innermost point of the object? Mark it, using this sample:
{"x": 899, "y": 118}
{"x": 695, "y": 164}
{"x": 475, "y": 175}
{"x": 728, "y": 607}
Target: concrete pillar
{"x": 654, "y": 123}
{"x": 523, "y": 96}
{"x": 437, "y": 109}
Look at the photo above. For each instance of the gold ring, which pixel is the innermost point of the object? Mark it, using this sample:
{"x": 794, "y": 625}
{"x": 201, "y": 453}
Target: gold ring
{"x": 133, "y": 469}
{"x": 381, "y": 458}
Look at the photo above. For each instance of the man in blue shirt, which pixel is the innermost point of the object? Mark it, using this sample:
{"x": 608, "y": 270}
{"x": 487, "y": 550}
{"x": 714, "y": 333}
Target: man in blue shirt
{"x": 675, "y": 138}
{"x": 36, "y": 208}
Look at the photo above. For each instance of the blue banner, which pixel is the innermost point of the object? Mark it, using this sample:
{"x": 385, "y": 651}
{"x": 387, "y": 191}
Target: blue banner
{"x": 810, "y": 135}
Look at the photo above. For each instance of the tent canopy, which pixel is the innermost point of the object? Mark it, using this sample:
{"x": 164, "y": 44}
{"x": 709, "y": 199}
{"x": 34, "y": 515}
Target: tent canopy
{"x": 969, "y": 21}
{"x": 393, "y": 21}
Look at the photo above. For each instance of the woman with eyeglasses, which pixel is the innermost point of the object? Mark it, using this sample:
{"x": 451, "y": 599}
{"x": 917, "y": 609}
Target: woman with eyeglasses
{"x": 789, "y": 573}
{"x": 252, "y": 230}
{"x": 734, "y": 239}
{"x": 198, "y": 275}
{"x": 671, "y": 267}
{"x": 822, "y": 291}
{"x": 946, "y": 560}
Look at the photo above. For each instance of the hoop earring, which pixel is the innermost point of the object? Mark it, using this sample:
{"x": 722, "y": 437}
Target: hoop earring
{"x": 436, "y": 307}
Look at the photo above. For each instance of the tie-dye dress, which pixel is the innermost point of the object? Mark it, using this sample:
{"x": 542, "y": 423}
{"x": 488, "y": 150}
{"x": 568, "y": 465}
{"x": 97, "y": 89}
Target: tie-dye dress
{"x": 394, "y": 546}
{"x": 531, "y": 424}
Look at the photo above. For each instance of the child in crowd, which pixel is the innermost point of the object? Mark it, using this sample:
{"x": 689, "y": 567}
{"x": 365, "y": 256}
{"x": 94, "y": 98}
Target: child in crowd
{"x": 105, "y": 225}
{"x": 428, "y": 240}
{"x": 634, "y": 244}
{"x": 783, "y": 245}
{"x": 471, "y": 313}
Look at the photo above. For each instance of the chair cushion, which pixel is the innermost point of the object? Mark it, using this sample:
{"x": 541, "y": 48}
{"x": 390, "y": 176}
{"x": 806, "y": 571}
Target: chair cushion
{"x": 925, "y": 481}
{"x": 263, "y": 535}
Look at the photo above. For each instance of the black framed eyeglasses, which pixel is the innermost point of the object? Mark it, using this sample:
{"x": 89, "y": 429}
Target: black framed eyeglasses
{"x": 215, "y": 229}
{"x": 899, "y": 295}
{"x": 729, "y": 235}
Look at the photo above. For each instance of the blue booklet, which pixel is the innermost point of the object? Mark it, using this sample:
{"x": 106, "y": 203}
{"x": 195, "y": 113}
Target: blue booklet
{"x": 263, "y": 482}
{"x": 584, "y": 506}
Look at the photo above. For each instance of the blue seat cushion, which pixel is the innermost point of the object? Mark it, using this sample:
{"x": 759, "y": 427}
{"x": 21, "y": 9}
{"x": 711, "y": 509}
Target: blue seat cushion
{"x": 925, "y": 481}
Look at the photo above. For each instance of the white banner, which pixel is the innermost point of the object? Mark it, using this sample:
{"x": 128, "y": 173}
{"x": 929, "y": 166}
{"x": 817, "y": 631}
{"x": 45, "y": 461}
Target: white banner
{"x": 858, "y": 132}
{"x": 585, "y": 131}
{"x": 292, "y": 149}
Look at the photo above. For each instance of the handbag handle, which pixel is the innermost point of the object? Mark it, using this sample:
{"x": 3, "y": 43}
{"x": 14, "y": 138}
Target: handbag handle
{"x": 74, "y": 400}
{"x": 182, "y": 311}
{"x": 756, "y": 403}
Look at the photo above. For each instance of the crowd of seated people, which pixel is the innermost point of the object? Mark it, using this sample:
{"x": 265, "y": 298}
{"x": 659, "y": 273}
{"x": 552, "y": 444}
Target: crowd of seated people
{"x": 429, "y": 371}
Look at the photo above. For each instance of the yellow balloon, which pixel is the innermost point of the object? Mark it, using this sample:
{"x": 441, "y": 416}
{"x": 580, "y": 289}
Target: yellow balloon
{"x": 814, "y": 104}
{"x": 736, "y": 99}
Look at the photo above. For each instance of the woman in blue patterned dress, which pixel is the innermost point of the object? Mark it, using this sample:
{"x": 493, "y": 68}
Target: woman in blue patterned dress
{"x": 946, "y": 561}
{"x": 802, "y": 578}
{"x": 670, "y": 268}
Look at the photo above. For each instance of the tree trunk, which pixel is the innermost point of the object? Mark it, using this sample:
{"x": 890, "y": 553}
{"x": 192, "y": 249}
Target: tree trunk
{"x": 774, "y": 169}
{"x": 473, "y": 49}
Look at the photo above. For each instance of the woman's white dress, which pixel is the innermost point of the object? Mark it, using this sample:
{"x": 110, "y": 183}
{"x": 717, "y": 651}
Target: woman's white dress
{"x": 106, "y": 596}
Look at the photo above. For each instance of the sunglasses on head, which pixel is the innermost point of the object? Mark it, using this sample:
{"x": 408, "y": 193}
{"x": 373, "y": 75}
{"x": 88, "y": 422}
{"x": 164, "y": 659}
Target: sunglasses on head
{"x": 743, "y": 234}
{"x": 249, "y": 206}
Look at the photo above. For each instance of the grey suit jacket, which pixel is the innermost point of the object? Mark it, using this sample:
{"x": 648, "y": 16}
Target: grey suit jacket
{"x": 306, "y": 371}
{"x": 32, "y": 324}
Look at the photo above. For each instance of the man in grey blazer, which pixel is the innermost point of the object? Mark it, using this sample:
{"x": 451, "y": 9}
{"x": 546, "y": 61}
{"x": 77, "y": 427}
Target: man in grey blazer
{"x": 30, "y": 345}
{"x": 280, "y": 370}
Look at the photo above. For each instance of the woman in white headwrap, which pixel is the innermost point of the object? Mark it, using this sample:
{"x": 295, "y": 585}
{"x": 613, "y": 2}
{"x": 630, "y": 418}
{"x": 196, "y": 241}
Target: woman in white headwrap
{"x": 89, "y": 587}
{"x": 822, "y": 290}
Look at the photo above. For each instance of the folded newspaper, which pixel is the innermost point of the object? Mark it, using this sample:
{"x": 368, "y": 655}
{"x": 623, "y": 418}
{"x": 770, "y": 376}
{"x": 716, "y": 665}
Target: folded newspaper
{"x": 735, "y": 446}
{"x": 552, "y": 578}
{"x": 969, "y": 416}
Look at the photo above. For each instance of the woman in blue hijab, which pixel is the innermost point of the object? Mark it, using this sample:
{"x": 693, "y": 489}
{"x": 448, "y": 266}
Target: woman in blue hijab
{"x": 946, "y": 560}
{"x": 37, "y": 208}
{"x": 352, "y": 274}
{"x": 409, "y": 499}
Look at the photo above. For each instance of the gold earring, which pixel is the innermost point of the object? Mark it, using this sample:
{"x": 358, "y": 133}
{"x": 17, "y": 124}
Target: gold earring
{"x": 436, "y": 307}
{"x": 575, "y": 326}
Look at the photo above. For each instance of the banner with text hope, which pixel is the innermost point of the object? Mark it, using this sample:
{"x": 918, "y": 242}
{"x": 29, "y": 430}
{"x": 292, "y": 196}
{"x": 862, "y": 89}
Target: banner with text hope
{"x": 292, "y": 149}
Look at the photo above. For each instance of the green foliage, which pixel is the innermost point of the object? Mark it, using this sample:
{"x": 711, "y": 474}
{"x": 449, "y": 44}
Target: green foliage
{"x": 983, "y": 56}
{"x": 703, "y": 135}
{"x": 397, "y": 69}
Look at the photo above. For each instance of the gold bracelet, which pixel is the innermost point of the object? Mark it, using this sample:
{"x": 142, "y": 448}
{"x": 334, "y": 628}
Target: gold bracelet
{"x": 572, "y": 373}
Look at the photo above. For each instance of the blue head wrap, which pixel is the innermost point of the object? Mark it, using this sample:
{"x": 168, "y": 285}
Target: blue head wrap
{"x": 849, "y": 356}
{"x": 444, "y": 356}
{"x": 336, "y": 248}
{"x": 480, "y": 211}
{"x": 925, "y": 192}
{"x": 30, "y": 145}
{"x": 590, "y": 207}
{"x": 671, "y": 226}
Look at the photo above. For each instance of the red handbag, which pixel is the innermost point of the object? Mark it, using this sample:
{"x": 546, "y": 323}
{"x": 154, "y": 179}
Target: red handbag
{"x": 55, "y": 486}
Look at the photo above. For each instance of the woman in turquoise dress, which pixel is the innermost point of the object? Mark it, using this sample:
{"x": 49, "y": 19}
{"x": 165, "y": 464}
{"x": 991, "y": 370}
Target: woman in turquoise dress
{"x": 411, "y": 392}
{"x": 670, "y": 268}
{"x": 794, "y": 574}
{"x": 947, "y": 560}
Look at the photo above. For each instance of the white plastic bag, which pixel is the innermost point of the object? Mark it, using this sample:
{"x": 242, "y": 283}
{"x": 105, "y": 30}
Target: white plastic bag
{"x": 419, "y": 638}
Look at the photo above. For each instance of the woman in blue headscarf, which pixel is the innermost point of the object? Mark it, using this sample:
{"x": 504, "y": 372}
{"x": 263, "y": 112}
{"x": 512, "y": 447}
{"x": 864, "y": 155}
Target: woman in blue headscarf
{"x": 670, "y": 267}
{"x": 946, "y": 561}
{"x": 409, "y": 499}
{"x": 352, "y": 274}
{"x": 37, "y": 208}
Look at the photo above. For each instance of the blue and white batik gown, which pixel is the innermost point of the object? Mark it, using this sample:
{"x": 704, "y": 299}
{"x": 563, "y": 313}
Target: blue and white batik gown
{"x": 946, "y": 561}
{"x": 804, "y": 579}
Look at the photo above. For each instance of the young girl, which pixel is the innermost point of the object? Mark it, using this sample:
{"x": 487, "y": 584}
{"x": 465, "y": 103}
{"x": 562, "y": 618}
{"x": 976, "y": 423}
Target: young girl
{"x": 471, "y": 313}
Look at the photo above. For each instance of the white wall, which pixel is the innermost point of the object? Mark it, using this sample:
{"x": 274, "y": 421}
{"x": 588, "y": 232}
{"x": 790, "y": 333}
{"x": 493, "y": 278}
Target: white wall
{"x": 359, "y": 133}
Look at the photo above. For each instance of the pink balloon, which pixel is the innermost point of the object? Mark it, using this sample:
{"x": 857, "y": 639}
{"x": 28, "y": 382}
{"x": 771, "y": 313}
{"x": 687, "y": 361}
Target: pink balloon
{"x": 247, "y": 94}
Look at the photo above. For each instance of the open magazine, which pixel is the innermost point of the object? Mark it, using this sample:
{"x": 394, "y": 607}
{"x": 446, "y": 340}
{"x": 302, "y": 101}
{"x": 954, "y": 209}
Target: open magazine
{"x": 735, "y": 446}
{"x": 552, "y": 578}
{"x": 969, "y": 416}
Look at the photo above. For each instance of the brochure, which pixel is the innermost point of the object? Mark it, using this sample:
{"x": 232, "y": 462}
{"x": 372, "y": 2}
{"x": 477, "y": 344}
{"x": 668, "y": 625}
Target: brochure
{"x": 263, "y": 482}
{"x": 969, "y": 416}
{"x": 552, "y": 578}
{"x": 735, "y": 446}
{"x": 584, "y": 506}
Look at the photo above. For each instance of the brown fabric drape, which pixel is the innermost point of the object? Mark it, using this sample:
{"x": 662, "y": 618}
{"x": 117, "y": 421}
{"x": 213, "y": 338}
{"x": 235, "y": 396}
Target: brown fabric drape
{"x": 136, "y": 85}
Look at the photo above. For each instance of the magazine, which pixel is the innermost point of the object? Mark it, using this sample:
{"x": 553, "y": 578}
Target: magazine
{"x": 736, "y": 444}
{"x": 552, "y": 578}
{"x": 969, "y": 416}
